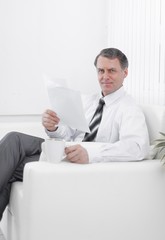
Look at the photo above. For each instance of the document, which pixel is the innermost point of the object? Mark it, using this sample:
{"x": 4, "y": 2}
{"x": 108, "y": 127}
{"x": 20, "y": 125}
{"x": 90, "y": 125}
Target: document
{"x": 67, "y": 103}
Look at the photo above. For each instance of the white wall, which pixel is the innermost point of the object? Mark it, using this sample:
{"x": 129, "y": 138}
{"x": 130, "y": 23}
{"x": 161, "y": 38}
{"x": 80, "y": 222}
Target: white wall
{"x": 56, "y": 37}
{"x": 62, "y": 37}
{"x": 138, "y": 28}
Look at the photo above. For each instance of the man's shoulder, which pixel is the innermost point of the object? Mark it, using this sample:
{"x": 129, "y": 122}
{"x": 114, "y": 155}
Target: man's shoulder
{"x": 129, "y": 103}
{"x": 129, "y": 100}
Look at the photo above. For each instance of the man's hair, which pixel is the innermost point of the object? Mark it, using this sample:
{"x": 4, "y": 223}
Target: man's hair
{"x": 113, "y": 53}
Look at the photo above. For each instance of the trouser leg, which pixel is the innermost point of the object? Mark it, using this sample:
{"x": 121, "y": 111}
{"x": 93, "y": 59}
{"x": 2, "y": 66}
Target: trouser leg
{"x": 4, "y": 198}
{"x": 16, "y": 149}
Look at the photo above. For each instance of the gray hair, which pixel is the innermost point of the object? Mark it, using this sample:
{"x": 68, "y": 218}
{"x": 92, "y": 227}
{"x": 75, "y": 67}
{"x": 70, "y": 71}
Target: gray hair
{"x": 113, "y": 53}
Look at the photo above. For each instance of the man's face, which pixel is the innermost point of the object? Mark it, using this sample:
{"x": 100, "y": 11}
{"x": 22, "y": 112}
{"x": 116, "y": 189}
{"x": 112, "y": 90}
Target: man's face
{"x": 110, "y": 74}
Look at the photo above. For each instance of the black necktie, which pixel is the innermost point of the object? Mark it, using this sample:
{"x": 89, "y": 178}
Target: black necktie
{"x": 95, "y": 122}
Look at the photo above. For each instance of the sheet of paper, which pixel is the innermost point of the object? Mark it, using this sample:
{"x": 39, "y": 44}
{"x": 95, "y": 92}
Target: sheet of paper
{"x": 67, "y": 103}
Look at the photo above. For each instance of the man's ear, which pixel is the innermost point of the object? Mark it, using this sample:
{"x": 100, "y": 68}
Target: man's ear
{"x": 125, "y": 72}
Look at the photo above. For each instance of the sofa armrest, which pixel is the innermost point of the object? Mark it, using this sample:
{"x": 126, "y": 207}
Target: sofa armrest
{"x": 94, "y": 201}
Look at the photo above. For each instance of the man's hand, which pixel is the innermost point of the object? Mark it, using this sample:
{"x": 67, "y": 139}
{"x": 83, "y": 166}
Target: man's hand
{"x": 50, "y": 120}
{"x": 77, "y": 154}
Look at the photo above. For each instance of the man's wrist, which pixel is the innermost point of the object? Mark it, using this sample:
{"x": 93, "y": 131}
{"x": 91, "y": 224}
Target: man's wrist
{"x": 52, "y": 130}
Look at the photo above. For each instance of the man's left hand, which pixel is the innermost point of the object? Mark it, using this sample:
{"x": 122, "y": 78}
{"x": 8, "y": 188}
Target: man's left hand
{"x": 77, "y": 154}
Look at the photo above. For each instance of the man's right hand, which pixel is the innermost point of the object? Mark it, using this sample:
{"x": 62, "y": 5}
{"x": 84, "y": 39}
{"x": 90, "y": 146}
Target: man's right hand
{"x": 50, "y": 120}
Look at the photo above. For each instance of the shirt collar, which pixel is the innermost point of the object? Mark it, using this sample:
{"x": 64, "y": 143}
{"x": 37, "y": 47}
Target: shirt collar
{"x": 112, "y": 97}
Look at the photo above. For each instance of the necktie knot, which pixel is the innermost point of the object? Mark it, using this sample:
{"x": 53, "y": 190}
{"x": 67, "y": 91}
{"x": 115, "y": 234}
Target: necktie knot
{"x": 101, "y": 103}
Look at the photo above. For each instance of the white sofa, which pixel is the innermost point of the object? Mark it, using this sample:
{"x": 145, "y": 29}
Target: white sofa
{"x": 102, "y": 201}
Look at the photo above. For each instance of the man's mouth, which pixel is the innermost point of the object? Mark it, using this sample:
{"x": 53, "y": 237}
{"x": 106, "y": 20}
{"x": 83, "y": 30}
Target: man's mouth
{"x": 107, "y": 83}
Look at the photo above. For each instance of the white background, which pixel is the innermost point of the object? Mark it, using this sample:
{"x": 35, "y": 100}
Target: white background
{"x": 56, "y": 37}
{"x": 61, "y": 38}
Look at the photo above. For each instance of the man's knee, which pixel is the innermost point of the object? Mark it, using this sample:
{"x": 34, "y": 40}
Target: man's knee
{"x": 13, "y": 136}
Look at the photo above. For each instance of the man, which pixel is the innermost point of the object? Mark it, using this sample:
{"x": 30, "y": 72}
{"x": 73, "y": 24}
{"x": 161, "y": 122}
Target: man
{"x": 122, "y": 134}
{"x": 118, "y": 128}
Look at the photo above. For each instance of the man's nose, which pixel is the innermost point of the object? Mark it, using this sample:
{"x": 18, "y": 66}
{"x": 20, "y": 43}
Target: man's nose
{"x": 106, "y": 75}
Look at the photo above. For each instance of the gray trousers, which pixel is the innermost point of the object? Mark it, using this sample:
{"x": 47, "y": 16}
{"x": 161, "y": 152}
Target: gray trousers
{"x": 16, "y": 149}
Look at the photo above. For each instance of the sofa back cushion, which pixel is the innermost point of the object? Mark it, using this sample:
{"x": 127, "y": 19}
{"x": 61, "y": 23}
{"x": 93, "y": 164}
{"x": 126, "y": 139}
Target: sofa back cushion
{"x": 32, "y": 128}
{"x": 155, "y": 119}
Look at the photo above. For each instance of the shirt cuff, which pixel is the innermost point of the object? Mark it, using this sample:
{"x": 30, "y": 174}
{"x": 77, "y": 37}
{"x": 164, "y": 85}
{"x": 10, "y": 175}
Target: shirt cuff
{"x": 53, "y": 134}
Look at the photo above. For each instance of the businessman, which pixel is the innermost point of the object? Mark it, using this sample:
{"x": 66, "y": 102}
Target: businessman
{"x": 117, "y": 125}
{"x": 120, "y": 133}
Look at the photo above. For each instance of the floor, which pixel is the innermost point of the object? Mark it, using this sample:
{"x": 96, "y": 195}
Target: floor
{"x": 1, "y": 235}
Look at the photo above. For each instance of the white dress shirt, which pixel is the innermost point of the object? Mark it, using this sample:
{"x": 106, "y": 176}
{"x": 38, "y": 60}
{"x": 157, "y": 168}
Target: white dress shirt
{"x": 122, "y": 134}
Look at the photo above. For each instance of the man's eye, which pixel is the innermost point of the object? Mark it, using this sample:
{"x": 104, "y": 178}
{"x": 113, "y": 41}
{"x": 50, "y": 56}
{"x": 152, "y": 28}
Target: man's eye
{"x": 112, "y": 70}
{"x": 100, "y": 71}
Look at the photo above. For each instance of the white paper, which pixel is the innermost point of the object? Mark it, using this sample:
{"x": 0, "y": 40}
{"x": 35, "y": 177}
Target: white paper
{"x": 67, "y": 103}
{"x": 51, "y": 82}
